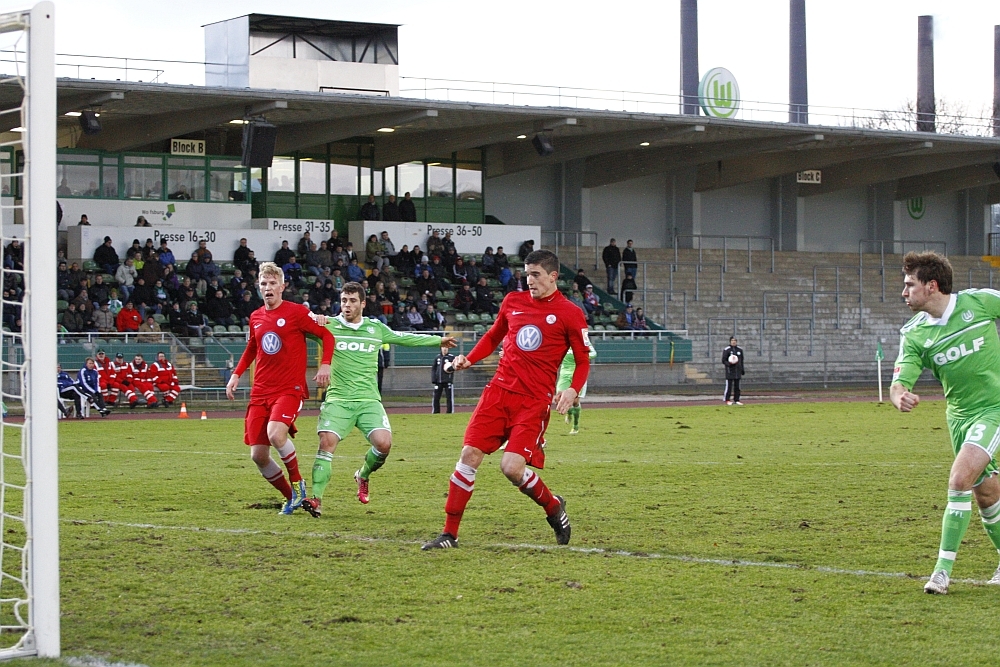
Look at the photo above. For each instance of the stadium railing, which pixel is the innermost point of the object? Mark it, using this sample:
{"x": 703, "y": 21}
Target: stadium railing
{"x": 559, "y": 241}
{"x": 674, "y": 267}
{"x": 813, "y": 298}
{"x": 713, "y": 346}
{"x": 697, "y": 243}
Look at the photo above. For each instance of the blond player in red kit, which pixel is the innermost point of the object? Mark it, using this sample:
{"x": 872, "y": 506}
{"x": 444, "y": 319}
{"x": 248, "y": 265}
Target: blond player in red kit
{"x": 536, "y": 328}
{"x": 277, "y": 342}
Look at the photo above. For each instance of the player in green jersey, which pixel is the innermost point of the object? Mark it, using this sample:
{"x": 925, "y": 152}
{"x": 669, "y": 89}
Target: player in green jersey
{"x": 353, "y": 398}
{"x": 955, "y": 336}
{"x": 563, "y": 382}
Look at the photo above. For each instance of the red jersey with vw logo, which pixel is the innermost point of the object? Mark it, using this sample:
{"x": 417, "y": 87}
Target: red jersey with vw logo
{"x": 277, "y": 342}
{"x": 536, "y": 333}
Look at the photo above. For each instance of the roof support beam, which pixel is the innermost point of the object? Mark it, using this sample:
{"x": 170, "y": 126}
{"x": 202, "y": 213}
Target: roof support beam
{"x": 122, "y": 134}
{"x": 728, "y": 173}
{"x": 949, "y": 180}
{"x": 320, "y": 132}
{"x": 394, "y": 148}
{"x": 867, "y": 172}
{"x": 520, "y": 156}
{"x": 627, "y": 165}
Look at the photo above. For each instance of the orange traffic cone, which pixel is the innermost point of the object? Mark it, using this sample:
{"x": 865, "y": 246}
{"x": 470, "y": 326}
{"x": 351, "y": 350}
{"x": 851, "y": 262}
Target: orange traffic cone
{"x": 184, "y": 411}
{"x": 204, "y": 415}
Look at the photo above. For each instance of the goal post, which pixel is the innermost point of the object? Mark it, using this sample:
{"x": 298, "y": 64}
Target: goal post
{"x": 29, "y": 464}
{"x": 41, "y": 429}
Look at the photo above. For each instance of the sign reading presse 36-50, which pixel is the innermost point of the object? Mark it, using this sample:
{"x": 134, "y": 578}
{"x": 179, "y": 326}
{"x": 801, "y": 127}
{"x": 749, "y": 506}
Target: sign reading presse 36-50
{"x": 718, "y": 93}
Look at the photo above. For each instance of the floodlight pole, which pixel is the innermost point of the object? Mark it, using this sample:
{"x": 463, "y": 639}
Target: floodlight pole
{"x": 40, "y": 335}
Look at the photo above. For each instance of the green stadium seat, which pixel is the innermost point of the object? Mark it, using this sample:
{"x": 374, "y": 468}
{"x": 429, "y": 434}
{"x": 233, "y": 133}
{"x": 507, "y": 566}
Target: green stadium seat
{"x": 599, "y": 327}
{"x": 227, "y": 267}
{"x": 159, "y": 318}
{"x": 449, "y": 295}
{"x": 439, "y": 295}
{"x": 479, "y": 328}
{"x": 62, "y": 305}
{"x": 486, "y": 317}
{"x": 472, "y": 317}
{"x": 90, "y": 265}
{"x": 443, "y": 306}
{"x": 235, "y": 329}
{"x": 461, "y": 318}
{"x": 180, "y": 267}
{"x": 246, "y": 328}
{"x": 219, "y": 329}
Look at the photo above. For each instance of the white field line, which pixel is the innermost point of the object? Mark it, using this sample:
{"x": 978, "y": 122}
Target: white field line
{"x": 91, "y": 661}
{"x": 735, "y": 562}
{"x": 412, "y": 458}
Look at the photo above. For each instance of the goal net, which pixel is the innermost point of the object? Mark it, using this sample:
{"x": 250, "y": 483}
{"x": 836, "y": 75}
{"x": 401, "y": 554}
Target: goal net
{"x": 29, "y": 509}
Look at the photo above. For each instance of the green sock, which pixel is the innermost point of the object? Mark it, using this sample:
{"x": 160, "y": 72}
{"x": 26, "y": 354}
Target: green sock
{"x": 574, "y": 414}
{"x": 321, "y": 473}
{"x": 953, "y": 527}
{"x": 373, "y": 461}
{"x": 991, "y": 522}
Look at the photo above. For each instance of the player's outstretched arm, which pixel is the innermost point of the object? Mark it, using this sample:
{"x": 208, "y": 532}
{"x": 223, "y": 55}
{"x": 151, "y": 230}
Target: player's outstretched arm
{"x": 234, "y": 382}
{"x": 902, "y": 398}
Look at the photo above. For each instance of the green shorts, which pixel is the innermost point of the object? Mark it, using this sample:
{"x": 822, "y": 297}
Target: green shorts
{"x": 564, "y": 385}
{"x": 982, "y": 430}
{"x": 341, "y": 416}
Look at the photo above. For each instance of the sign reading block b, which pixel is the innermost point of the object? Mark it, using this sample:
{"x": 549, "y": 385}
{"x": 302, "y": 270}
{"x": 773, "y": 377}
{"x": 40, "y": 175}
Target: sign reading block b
{"x": 187, "y": 147}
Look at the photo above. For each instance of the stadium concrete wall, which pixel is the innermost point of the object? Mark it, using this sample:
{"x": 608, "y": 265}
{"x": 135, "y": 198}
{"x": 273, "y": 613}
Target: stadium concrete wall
{"x": 526, "y": 197}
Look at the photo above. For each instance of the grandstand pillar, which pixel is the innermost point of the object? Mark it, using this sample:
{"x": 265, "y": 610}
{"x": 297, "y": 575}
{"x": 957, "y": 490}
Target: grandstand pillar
{"x": 683, "y": 207}
{"x": 787, "y": 214}
{"x": 975, "y": 219}
{"x": 881, "y": 211}
{"x": 572, "y": 201}
{"x": 925, "y": 74}
{"x": 689, "y": 57}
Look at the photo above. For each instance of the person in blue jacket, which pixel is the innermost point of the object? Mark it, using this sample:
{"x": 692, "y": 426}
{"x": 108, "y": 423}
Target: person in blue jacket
{"x": 88, "y": 384}
{"x": 68, "y": 391}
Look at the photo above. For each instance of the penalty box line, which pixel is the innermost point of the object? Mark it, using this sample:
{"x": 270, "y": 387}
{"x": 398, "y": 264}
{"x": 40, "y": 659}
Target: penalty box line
{"x": 644, "y": 555}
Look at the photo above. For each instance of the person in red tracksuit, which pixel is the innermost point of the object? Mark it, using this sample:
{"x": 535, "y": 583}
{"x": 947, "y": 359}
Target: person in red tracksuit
{"x": 144, "y": 379}
{"x": 103, "y": 367}
{"x": 166, "y": 379}
{"x": 120, "y": 381}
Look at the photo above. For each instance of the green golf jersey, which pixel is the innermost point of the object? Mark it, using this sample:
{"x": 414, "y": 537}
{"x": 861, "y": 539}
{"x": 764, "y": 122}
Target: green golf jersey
{"x": 961, "y": 348}
{"x": 567, "y": 367}
{"x": 354, "y": 369}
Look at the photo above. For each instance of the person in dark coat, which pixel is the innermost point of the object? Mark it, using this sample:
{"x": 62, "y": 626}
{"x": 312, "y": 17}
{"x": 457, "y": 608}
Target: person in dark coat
{"x": 734, "y": 371}
{"x": 611, "y": 256}
{"x": 106, "y": 256}
{"x": 443, "y": 378}
{"x": 628, "y": 256}
{"x": 370, "y": 210}
{"x": 407, "y": 209}
{"x": 390, "y": 210}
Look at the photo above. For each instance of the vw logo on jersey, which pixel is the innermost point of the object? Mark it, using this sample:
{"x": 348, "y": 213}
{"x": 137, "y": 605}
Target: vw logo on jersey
{"x": 270, "y": 342}
{"x": 529, "y": 338}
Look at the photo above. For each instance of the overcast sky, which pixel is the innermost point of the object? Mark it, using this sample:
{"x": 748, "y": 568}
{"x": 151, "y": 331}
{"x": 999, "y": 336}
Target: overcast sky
{"x": 862, "y": 53}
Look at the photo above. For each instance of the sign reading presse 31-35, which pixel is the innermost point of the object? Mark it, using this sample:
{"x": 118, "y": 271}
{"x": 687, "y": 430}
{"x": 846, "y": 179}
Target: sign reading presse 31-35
{"x": 718, "y": 93}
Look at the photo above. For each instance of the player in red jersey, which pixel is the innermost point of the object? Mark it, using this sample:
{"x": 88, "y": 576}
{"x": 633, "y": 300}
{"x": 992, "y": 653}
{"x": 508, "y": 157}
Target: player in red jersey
{"x": 536, "y": 327}
{"x": 166, "y": 379}
{"x": 277, "y": 342}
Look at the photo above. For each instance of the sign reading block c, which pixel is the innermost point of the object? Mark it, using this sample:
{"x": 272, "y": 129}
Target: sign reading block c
{"x": 718, "y": 93}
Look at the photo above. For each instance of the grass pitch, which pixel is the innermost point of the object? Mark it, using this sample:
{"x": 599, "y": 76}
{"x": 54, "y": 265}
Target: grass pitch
{"x": 769, "y": 534}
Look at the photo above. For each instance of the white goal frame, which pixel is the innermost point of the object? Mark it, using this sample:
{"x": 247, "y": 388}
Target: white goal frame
{"x": 37, "y": 588}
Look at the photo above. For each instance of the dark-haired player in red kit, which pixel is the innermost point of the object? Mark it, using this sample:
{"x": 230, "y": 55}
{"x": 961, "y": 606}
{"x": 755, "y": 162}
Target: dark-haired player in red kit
{"x": 536, "y": 327}
{"x": 277, "y": 341}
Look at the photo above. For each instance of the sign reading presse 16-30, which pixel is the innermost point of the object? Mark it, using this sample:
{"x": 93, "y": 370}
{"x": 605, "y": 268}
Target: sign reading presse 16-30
{"x": 718, "y": 93}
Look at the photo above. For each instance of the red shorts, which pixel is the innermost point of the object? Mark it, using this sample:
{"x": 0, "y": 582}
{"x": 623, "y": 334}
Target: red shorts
{"x": 503, "y": 415}
{"x": 260, "y": 412}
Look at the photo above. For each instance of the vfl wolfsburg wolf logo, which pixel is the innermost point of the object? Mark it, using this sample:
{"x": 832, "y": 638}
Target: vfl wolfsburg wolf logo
{"x": 915, "y": 207}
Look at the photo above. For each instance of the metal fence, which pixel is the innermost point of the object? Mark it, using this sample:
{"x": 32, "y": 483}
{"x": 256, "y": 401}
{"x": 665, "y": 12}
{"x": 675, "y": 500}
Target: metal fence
{"x": 735, "y": 242}
{"x": 559, "y": 241}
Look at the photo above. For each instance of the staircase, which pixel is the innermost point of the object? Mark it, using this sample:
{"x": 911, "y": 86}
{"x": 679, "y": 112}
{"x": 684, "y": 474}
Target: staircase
{"x": 815, "y": 319}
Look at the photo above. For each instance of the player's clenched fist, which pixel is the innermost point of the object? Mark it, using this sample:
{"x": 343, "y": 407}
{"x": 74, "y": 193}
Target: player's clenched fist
{"x": 461, "y": 363}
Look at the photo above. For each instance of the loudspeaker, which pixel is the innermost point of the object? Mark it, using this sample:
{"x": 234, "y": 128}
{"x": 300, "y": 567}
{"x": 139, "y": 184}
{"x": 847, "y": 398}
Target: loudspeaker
{"x": 543, "y": 144}
{"x": 89, "y": 122}
{"x": 258, "y": 143}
